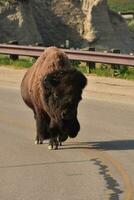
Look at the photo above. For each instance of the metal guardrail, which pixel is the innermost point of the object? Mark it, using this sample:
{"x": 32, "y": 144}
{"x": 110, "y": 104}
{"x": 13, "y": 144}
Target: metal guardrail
{"x": 97, "y": 57}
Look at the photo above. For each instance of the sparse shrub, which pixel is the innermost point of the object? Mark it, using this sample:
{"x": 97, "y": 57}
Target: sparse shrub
{"x": 131, "y": 25}
{"x": 121, "y": 5}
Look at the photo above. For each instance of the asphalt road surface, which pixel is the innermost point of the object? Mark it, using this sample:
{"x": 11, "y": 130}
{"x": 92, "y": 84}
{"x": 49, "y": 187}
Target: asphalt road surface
{"x": 97, "y": 165}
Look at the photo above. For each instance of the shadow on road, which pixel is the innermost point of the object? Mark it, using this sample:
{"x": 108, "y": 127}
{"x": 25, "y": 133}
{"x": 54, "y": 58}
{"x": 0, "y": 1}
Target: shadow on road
{"x": 113, "y": 145}
{"x": 103, "y": 145}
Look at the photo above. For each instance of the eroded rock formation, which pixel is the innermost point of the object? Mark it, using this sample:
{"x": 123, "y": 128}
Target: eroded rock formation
{"x": 85, "y": 23}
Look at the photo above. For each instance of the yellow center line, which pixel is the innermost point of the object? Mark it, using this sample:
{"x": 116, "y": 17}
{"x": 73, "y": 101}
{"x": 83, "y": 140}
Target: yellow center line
{"x": 128, "y": 187}
{"x": 125, "y": 177}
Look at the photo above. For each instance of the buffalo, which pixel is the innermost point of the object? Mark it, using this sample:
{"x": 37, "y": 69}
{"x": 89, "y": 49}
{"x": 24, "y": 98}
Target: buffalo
{"x": 52, "y": 88}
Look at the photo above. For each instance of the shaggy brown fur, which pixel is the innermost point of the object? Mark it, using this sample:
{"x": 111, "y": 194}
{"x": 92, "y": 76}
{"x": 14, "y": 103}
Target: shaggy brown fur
{"x": 52, "y": 89}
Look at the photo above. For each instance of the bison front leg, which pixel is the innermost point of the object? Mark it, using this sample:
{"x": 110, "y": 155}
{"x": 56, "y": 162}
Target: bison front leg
{"x": 53, "y": 143}
{"x": 54, "y": 133}
{"x": 62, "y": 138}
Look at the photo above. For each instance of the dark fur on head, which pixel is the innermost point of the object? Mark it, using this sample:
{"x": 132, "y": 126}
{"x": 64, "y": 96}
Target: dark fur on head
{"x": 62, "y": 92}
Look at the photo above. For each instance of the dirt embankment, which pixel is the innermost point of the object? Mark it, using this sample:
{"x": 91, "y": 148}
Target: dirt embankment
{"x": 108, "y": 89}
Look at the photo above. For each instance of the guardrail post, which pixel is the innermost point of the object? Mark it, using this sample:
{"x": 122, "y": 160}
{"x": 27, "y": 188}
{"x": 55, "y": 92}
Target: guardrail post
{"x": 38, "y": 44}
{"x": 14, "y": 57}
{"x": 115, "y": 67}
{"x": 67, "y": 44}
{"x": 91, "y": 65}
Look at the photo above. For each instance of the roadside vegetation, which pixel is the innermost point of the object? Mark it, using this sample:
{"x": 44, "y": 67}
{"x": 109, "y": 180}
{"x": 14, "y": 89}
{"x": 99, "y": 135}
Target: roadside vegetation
{"x": 131, "y": 25}
{"x": 116, "y": 71}
{"x": 124, "y": 72}
{"x": 121, "y": 5}
{"x": 19, "y": 63}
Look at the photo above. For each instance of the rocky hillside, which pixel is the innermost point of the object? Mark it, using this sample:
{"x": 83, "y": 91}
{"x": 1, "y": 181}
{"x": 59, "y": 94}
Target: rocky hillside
{"x": 85, "y": 23}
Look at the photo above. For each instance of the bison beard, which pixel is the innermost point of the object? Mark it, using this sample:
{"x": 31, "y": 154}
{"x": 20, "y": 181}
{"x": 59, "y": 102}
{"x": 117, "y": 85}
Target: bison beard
{"x": 53, "y": 89}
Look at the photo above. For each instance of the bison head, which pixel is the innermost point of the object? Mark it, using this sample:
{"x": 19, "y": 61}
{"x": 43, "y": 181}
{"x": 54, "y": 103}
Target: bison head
{"x": 62, "y": 90}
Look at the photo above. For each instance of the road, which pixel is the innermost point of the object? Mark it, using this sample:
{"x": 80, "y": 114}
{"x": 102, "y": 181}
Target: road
{"x": 97, "y": 165}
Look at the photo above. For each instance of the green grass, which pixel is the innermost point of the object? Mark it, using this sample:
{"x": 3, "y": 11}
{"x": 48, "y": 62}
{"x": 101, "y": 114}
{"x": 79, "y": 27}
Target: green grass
{"x": 121, "y": 5}
{"x": 127, "y": 73}
{"x": 131, "y": 25}
{"x": 123, "y": 72}
{"x": 100, "y": 70}
{"x": 19, "y": 63}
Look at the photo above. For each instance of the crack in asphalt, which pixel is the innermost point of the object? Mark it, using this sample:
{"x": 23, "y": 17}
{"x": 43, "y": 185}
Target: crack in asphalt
{"x": 111, "y": 183}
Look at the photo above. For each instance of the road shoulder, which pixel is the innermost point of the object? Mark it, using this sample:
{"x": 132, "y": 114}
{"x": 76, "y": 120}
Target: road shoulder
{"x": 101, "y": 88}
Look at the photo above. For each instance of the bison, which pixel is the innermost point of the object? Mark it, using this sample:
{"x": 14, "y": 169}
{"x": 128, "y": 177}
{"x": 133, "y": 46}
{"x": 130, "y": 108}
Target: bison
{"x": 52, "y": 88}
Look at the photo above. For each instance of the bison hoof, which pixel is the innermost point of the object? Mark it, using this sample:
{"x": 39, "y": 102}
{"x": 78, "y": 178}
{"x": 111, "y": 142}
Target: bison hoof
{"x": 38, "y": 142}
{"x": 53, "y": 143}
{"x": 50, "y": 147}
